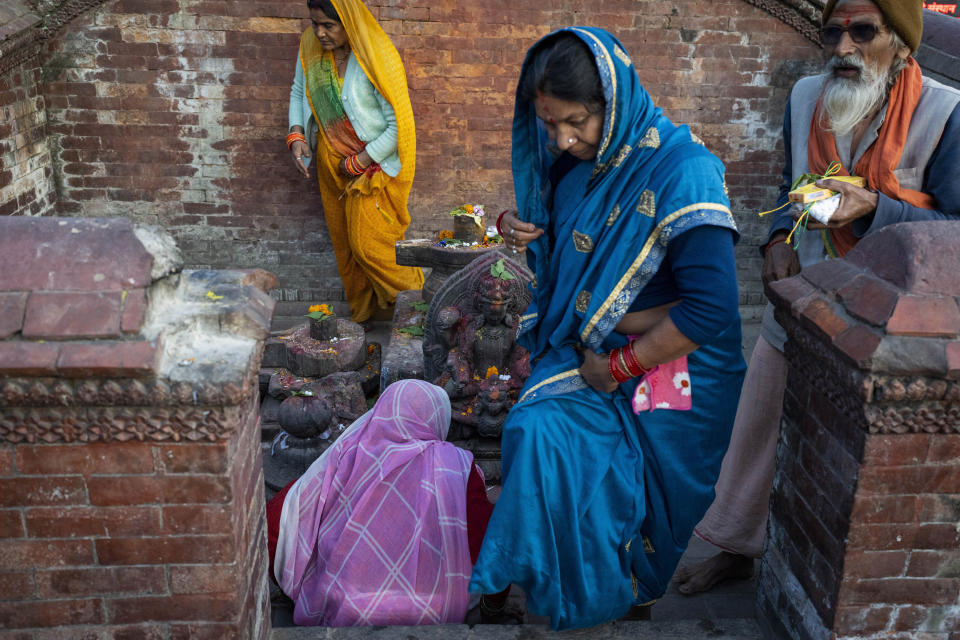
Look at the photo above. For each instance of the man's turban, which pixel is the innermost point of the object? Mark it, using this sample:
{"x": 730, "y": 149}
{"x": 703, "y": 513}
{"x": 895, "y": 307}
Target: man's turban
{"x": 905, "y": 16}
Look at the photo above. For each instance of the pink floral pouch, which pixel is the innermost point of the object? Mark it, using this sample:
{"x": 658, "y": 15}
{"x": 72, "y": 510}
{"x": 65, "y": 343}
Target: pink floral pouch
{"x": 667, "y": 386}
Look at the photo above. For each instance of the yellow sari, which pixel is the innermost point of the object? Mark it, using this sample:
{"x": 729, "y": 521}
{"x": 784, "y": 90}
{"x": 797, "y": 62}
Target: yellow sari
{"x": 366, "y": 215}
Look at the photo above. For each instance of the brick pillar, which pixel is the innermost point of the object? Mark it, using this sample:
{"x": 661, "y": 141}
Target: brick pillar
{"x": 131, "y": 485}
{"x": 864, "y": 538}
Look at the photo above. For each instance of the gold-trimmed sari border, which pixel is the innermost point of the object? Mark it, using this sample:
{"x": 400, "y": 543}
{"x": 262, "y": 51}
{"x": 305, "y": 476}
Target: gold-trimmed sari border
{"x": 644, "y": 252}
{"x": 613, "y": 83}
{"x": 563, "y": 375}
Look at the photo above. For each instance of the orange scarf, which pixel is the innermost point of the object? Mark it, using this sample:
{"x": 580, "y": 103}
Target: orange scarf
{"x": 883, "y": 156}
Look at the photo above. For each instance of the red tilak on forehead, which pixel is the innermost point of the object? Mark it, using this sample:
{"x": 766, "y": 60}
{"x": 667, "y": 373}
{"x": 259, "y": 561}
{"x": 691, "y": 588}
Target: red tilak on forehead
{"x": 854, "y": 12}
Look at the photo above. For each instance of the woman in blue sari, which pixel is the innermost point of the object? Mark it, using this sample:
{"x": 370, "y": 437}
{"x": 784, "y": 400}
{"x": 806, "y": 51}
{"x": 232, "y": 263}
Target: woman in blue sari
{"x": 611, "y": 453}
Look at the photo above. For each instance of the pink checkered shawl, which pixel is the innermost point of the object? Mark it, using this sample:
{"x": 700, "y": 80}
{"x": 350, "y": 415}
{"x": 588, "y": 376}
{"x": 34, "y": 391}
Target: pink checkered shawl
{"x": 375, "y": 531}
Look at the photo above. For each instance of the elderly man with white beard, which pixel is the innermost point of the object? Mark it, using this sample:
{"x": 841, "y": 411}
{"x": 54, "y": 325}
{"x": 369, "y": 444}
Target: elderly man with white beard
{"x": 874, "y": 113}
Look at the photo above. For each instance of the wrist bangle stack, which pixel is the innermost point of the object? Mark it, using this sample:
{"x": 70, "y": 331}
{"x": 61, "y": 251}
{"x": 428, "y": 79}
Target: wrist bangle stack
{"x": 352, "y": 163}
{"x": 499, "y": 218}
{"x": 294, "y": 137}
{"x": 623, "y": 364}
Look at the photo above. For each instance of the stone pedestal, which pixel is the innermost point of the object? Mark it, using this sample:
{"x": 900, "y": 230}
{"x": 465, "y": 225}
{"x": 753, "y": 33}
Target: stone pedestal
{"x": 131, "y": 490}
{"x": 442, "y": 261}
{"x": 863, "y": 536}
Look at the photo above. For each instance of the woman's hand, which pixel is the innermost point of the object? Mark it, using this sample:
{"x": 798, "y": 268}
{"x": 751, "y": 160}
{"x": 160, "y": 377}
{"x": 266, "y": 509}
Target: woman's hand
{"x": 596, "y": 370}
{"x": 363, "y": 158}
{"x": 516, "y": 233}
{"x": 299, "y": 149}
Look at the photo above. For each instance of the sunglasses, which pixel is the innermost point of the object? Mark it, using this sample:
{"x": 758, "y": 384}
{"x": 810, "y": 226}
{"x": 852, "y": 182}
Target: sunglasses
{"x": 861, "y": 33}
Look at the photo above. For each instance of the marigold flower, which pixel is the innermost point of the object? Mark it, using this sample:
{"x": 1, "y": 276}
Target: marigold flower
{"x": 492, "y": 371}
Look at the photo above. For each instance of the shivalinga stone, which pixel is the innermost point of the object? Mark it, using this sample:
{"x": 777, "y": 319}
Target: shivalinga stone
{"x": 297, "y": 351}
{"x": 323, "y": 328}
{"x": 305, "y": 416}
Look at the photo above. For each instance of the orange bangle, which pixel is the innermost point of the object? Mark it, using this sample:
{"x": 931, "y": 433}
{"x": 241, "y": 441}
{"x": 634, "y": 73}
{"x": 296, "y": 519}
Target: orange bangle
{"x": 293, "y": 137}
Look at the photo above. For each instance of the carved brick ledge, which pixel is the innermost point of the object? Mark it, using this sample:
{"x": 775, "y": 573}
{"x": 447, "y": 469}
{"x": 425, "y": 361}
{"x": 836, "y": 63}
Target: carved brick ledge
{"x": 802, "y": 15}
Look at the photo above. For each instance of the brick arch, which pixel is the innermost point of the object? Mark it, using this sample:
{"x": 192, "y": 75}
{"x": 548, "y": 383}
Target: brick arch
{"x": 802, "y": 15}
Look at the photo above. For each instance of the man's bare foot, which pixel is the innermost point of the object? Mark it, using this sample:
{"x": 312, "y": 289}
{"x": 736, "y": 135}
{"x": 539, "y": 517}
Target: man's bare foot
{"x": 706, "y": 575}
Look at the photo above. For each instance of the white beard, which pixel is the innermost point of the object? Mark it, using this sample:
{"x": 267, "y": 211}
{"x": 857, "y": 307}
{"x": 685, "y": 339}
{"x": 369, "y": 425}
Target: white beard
{"x": 849, "y": 100}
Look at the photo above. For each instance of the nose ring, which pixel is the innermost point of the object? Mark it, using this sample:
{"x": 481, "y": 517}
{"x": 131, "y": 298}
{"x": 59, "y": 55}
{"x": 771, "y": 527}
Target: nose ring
{"x": 571, "y": 140}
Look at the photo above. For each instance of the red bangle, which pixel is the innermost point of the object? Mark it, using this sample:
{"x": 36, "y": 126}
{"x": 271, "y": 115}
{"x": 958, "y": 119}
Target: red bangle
{"x": 499, "y": 218}
{"x": 633, "y": 364}
{"x": 619, "y": 374}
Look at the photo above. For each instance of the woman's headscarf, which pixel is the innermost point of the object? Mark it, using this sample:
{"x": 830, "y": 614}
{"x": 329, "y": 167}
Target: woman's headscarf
{"x": 375, "y": 532}
{"x": 651, "y": 180}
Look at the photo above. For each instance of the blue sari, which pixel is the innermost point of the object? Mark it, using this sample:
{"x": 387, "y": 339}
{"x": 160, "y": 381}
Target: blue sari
{"x": 599, "y": 502}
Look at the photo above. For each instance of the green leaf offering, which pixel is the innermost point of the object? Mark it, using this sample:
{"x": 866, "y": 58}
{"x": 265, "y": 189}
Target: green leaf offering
{"x": 420, "y": 305}
{"x": 412, "y": 330}
{"x": 498, "y": 270}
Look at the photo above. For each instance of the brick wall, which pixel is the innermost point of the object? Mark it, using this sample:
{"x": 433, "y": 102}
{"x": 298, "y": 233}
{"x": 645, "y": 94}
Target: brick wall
{"x": 863, "y": 526}
{"x": 131, "y": 484}
{"x": 26, "y": 171}
{"x": 172, "y": 112}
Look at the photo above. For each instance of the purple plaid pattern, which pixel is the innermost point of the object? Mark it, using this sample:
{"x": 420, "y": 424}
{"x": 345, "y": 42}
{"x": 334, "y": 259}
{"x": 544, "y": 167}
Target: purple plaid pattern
{"x": 375, "y": 532}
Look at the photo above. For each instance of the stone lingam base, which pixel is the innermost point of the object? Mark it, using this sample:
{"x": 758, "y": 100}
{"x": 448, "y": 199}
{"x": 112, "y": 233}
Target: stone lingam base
{"x": 297, "y": 351}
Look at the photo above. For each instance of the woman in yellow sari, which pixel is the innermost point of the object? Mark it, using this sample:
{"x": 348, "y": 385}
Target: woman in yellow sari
{"x": 350, "y": 87}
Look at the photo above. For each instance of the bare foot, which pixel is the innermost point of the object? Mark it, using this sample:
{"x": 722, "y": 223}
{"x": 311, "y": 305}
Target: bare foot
{"x": 705, "y": 576}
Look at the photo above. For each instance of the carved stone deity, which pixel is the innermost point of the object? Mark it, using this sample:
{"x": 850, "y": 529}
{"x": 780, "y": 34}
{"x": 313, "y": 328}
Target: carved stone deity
{"x": 470, "y": 347}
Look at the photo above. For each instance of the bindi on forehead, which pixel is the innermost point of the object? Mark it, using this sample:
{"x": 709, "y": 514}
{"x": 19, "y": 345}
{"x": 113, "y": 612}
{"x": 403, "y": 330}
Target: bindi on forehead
{"x": 847, "y": 14}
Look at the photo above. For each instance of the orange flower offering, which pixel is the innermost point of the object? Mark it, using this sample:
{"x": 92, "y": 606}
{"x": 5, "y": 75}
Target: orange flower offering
{"x": 446, "y": 234}
{"x": 492, "y": 371}
{"x": 319, "y": 311}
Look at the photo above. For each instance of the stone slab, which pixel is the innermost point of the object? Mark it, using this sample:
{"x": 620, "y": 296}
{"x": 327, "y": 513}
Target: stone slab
{"x": 67, "y": 315}
{"x": 12, "y": 306}
{"x": 71, "y": 254}
{"x": 403, "y": 355}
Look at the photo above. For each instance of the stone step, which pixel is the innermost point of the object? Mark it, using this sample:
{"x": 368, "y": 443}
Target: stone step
{"x": 728, "y": 629}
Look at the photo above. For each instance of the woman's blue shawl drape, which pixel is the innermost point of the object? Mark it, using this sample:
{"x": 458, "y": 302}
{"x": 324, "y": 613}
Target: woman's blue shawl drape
{"x": 598, "y": 502}
{"x": 652, "y": 180}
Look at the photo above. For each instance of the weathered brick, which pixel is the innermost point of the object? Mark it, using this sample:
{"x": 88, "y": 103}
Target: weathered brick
{"x": 42, "y": 491}
{"x": 108, "y": 359}
{"x": 50, "y": 613}
{"x": 28, "y": 358}
{"x": 204, "y": 579}
{"x": 186, "y": 607}
{"x": 861, "y": 621}
{"x": 6, "y": 460}
{"x": 945, "y": 448}
{"x": 62, "y": 315}
{"x": 194, "y": 458}
{"x": 934, "y": 564}
{"x": 939, "y": 508}
{"x": 11, "y": 523}
{"x": 900, "y": 591}
{"x": 133, "y": 490}
{"x": 925, "y": 316}
{"x": 97, "y": 581}
{"x": 881, "y": 509}
{"x": 913, "y": 479}
{"x": 874, "y": 564}
{"x": 26, "y": 554}
{"x": 112, "y": 457}
{"x": 858, "y": 343}
{"x": 134, "y": 310}
{"x": 896, "y": 450}
{"x": 12, "y": 307}
{"x": 199, "y": 631}
{"x": 173, "y": 550}
{"x": 17, "y": 585}
{"x": 92, "y": 521}
{"x": 869, "y": 298}
{"x": 197, "y": 519}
